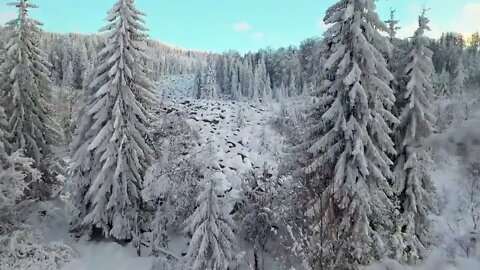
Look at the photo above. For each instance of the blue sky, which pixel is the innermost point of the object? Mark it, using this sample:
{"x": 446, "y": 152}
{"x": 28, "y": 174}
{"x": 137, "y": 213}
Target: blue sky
{"x": 219, "y": 25}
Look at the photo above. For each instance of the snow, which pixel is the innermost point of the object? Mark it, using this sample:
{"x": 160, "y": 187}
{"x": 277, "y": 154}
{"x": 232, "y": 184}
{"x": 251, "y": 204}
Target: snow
{"x": 107, "y": 256}
{"x": 202, "y": 131}
{"x": 241, "y": 144}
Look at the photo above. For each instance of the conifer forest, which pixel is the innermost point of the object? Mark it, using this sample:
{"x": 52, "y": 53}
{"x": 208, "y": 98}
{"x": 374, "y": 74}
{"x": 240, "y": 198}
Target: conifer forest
{"x": 357, "y": 149}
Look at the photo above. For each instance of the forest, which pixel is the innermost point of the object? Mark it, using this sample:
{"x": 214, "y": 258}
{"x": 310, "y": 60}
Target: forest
{"x": 354, "y": 150}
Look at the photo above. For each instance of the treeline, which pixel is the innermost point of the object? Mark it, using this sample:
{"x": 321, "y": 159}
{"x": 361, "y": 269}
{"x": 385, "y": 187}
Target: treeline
{"x": 73, "y": 58}
{"x": 286, "y": 72}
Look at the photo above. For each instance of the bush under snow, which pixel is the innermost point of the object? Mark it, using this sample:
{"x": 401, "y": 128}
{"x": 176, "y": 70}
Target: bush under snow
{"x": 23, "y": 250}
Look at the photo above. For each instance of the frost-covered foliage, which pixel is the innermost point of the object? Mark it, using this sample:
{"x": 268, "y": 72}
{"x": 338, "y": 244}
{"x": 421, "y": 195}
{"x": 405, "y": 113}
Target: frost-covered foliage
{"x": 261, "y": 83}
{"x": 397, "y": 59}
{"x": 171, "y": 182}
{"x": 393, "y": 27}
{"x": 413, "y": 186}
{"x": 23, "y": 249}
{"x": 460, "y": 78}
{"x": 256, "y": 214}
{"x": 24, "y": 88}
{"x": 16, "y": 173}
{"x": 79, "y": 52}
{"x": 352, "y": 142}
{"x": 208, "y": 86}
{"x": 110, "y": 152}
{"x": 212, "y": 245}
{"x": 443, "y": 85}
{"x": 472, "y": 63}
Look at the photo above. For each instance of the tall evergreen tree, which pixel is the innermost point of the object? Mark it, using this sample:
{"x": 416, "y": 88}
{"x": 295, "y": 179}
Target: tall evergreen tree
{"x": 261, "y": 82}
{"x": 209, "y": 85}
{"x": 236, "y": 90}
{"x": 110, "y": 152}
{"x": 351, "y": 141}
{"x": 212, "y": 243}
{"x": 16, "y": 172}
{"x": 444, "y": 80}
{"x": 392, "y": 25}
{"x": 460, "y": 77}
{"x": 292, "y": 86}
{"x": 396, "y": 58}
{"x": 413, "y": 185}
{"x": 25, "y": 85}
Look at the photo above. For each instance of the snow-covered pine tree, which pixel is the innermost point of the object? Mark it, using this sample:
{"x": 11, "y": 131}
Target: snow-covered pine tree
{"x": 258, "y": 224}
{"x": 16, "y": 172}
{"x": 280, "y": 92}
{"x": 69, "y": 77}
{"x": 261, "y": 82}
{"x": 197, "y": 84}
{"x": 225, "y": 74}
{"x": 236, "y": 91}
{"x": 88, "y": 75}
{"x": 351, "y": 142}
{"x": 396, "y": 57}
{"x": 209, "y": 85}
{"x": 246, "y": 78}
{"x": 413, "y": 186}
{"x": 268, "y": 89}
{"x": 460, "y": 77}
{"x": 392, "y": 26}
{"x": 292, "y": 86}
{"x": 213, "y": 243}
{"x": 444, "y": 83}
{"x": 25, "y": 86}
{"x": 110, "y": 152}
{"x": 473, "y": 61}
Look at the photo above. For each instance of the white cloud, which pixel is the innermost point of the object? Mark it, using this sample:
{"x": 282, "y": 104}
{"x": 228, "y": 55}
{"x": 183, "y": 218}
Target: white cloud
{"x": 7, "y": 16}
{"x": 242, "y": 26}
{"x": 467, "y": 21}
{"x": 258, "y": 35}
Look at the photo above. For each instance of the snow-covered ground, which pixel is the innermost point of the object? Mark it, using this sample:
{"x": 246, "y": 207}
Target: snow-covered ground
{"x": 239, "y": 133}
{"x": 241, "y": 139}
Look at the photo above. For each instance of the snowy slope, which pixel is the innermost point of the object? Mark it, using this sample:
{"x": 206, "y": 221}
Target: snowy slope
{"x": 241, "y": 138}
{"x": 239, "y": 132}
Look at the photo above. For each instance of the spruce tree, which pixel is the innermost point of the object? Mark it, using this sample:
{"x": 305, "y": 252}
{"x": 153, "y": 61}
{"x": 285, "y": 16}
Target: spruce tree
{"x": 261, "y": 82}
{"x": 350, "y": 141}
{"x": 444, "y": 83}
{"x": 413, "y": 185}
{"x": 209, "y": 85}
{"x": 236, "y": 90}
{"x": 292, "y": 86}
{"x": 16, "y": 172}
{"x": 25, "y": 86}
{"x": 460, "y": 77}
{"x": 256, "y": 215}
{"x": 392, "y": 26}
{"x": 212, "y": 243}
{"x": 109, "y": 152}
